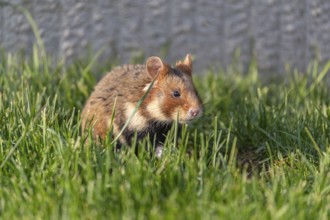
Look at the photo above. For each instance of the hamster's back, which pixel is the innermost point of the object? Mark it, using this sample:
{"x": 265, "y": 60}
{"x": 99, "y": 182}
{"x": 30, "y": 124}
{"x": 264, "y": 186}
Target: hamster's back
{"x": 124, "y": 84}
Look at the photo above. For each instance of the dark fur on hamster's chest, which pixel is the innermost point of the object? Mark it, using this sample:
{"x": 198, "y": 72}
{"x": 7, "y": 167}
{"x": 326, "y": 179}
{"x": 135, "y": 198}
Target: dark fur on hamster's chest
{"x": 156, "y": 131}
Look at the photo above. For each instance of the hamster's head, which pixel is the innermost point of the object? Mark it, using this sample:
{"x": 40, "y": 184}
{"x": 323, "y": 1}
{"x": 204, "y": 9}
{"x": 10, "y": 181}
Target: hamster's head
{"x": 173, "y": 95}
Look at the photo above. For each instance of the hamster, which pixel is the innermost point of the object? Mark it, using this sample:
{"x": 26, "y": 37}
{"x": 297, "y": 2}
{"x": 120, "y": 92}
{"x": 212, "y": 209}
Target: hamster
{"x": 172, "y": 96}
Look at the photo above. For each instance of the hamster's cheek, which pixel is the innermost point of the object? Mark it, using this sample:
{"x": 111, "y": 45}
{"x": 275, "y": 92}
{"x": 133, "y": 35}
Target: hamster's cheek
{"x": 177, "y": 114}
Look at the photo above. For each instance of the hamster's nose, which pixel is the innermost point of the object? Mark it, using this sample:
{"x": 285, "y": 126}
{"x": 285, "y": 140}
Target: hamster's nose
{"x": 193, "y": 112}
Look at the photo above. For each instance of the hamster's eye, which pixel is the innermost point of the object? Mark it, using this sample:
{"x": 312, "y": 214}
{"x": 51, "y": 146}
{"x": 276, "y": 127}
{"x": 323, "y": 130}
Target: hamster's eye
{"x": 176, "y": 94}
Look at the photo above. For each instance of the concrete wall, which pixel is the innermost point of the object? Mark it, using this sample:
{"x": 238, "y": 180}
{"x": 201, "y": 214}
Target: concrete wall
{"x": 275, "y": 31}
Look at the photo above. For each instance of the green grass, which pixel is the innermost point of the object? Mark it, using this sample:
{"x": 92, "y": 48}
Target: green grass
{"x": 261, "y": 150}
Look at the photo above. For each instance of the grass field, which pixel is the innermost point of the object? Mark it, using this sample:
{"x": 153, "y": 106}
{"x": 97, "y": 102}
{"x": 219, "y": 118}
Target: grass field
{"x": 261, "y": 150}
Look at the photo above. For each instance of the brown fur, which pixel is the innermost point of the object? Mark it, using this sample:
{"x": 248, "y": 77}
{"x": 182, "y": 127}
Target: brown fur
{"x": 127, "y": 84}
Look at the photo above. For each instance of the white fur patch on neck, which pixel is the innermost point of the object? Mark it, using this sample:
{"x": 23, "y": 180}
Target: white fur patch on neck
{"x": 138, "y": 121}
{"x": 154, "y": 110}
{"x": 147, "y": 86}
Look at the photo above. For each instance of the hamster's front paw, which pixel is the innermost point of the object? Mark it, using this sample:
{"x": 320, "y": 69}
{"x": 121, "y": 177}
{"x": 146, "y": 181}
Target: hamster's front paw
{"x": 159, "y": 151}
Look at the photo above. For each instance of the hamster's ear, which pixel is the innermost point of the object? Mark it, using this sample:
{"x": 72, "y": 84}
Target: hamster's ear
{"x": 188, "y": 61}
{"x": 154, "y": 65}
{"x": 186, "y": 64}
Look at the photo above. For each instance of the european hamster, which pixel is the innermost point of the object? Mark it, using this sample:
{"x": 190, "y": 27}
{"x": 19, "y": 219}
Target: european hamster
{"x": 172, "y": 96}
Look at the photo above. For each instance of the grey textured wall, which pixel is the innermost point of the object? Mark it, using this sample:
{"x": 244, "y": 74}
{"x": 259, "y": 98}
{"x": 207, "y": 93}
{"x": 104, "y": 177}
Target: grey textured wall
{"x": 275, "y": 31}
